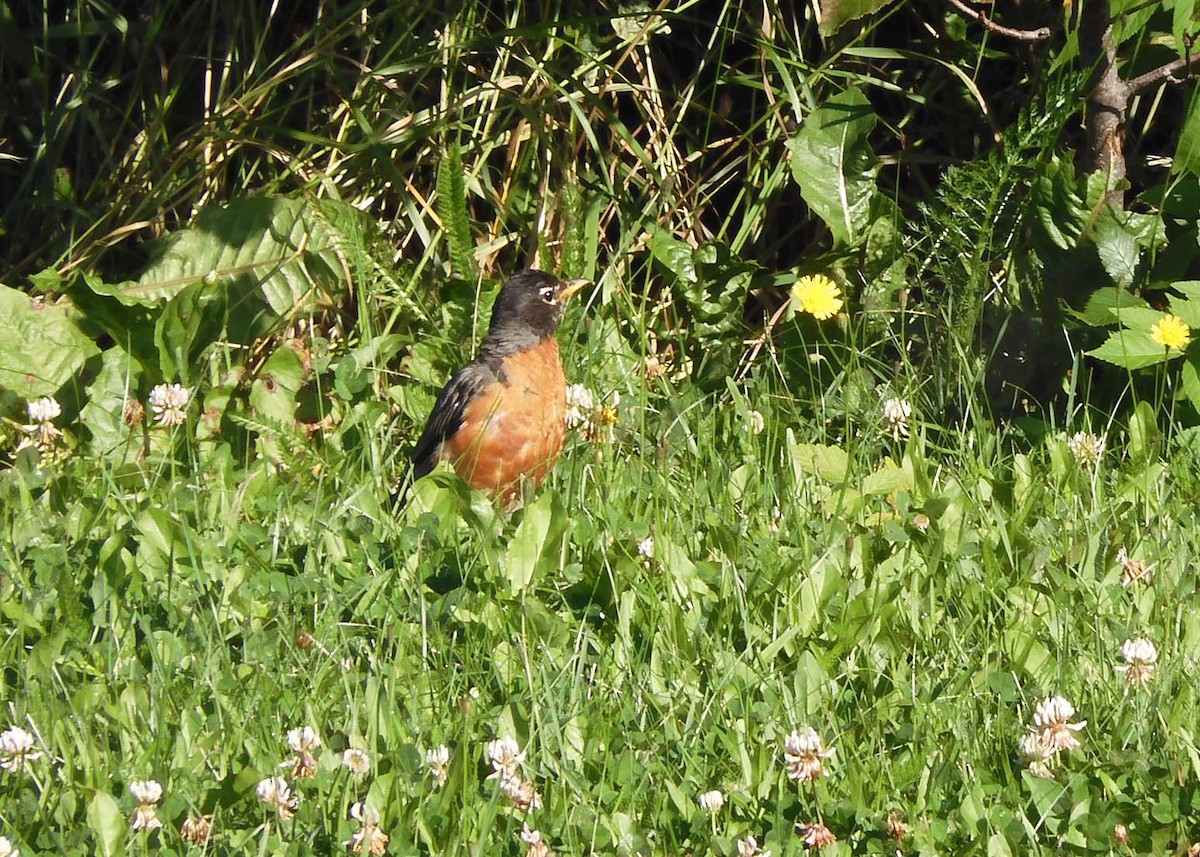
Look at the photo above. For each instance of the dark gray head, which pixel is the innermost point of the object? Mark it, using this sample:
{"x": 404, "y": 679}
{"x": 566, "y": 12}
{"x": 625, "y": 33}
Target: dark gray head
{"x": 528, "y": 309}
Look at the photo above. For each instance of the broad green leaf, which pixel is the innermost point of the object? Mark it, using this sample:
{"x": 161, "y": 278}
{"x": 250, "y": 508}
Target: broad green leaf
{"x": 1190, "y": 289}
{"x": 1183, "y": 23}
{"x": 1187, "y": 150}
{"x": 886, "y": 480}
{"x": 1131, "y": 18}
{"x": 834, "y": 165}
{"x": 41, "y": 349}
{"x": 830, "y": 463}
{"x": 673, "y": 254}
{"x": 529, "y": 542}
{"x": 1101, "y": 307}
{"x": 1190, "y": 379}
{"x": 998, "y": 846}
{"x": 107, "y": 823}
{"x": 189, "y": 323}
{"x": 271, "y": 255}
{"x": 1143, "y": 432}
{"x": 104, "y": 414}
{"x": 835, "y": 14}
{"x": 1132, "y": 349}
{"x": 1187, "y": 308}
{"x": 273, "y": 393}
{"x": 1138, "y": 318}
{"x": 1116, "y": 245}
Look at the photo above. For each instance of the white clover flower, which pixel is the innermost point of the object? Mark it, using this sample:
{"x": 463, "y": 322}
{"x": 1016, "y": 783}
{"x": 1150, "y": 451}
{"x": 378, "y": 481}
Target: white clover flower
{"x": 303, "y": 741}
{"x": 368, "y": 839}
{"x": 755, "y": 423}
{"x": 7, "y": 849}
{"x": 41, "y": 433}
{"x": 580, "y": 404}
{"x": 438, "y": 761}
{"x": 146, "y": 791}
{"x": 748, "y": 847}
{"x": 1035, "y": 754}
{"x": 1052, "y": 719}
{"x": 533, "y": 838}
{"x": 277, "y": 794}
{"x": 805, "y": 755}
{"x": 895, "y": 416}
{"x": 44, "y": 410}
{"x": 506, "y": 756}
{"x": 1132, "y": 570}
{"x": 1140, "y": 656}
{"x": 712, "y": 801}
{"x": 16, "y": 749}
{"x": 168, "y": 403}
{"x": 356, "y": 761}
{"x": 522, "y": 793}
{"x": 816, "y": 835}
{"x": 1086, "y": 448}
{"x": 196, "y": 829}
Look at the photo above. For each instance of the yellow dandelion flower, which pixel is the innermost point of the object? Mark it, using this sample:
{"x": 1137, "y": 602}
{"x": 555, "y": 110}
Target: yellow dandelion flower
{"x": 817, "y": 295}
{"x": 1171, "y": 331}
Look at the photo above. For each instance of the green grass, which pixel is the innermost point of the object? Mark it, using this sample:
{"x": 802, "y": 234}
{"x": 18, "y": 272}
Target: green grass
{"x": 155, "y": 619}
{"x": 173, "y": 601}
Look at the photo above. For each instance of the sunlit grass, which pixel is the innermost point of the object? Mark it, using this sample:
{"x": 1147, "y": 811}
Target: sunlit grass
{"x": 797, "y": 588}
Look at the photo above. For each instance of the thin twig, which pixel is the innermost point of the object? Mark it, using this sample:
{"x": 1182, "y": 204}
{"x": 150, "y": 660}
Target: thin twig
{"x": 1163, "y": 72}
{"x": 1038, "y": 35}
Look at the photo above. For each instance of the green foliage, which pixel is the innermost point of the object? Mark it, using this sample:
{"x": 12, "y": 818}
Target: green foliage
{"x": 452, "y": 206}
{"x": 754, "y": 546}
{"x": 834, "y": 165}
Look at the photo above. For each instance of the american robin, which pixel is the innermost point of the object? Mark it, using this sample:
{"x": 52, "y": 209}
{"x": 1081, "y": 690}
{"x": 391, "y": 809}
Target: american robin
{"x": 499, "y": 420}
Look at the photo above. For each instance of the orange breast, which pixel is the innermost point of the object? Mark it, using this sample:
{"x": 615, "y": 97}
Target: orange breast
{"x": 514, "y": 431}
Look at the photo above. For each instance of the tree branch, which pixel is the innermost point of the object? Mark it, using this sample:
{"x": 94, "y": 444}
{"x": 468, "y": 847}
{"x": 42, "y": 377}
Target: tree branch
{"x": 1038, "y": 35}
{"x": 1163, "y": 72}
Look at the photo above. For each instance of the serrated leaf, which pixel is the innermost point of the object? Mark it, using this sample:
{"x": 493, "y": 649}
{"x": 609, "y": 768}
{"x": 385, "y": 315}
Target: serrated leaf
{"x": 1101, "y": 307}
{"x": 42, "y": 347}
{"x": 886, "y": 480}
{"x": 830, "y": 463}
{"x": 1116, "y": 245}
{"x": 1187, "y": 307}
{"x": 1132, "y": 349}
{"x": 1138, "y": 318}
{"x": 1190, "y": 289}
{"x": 452, "y": 208}
{"x": 834, "y": 165}
{"x": 835, "y": 14}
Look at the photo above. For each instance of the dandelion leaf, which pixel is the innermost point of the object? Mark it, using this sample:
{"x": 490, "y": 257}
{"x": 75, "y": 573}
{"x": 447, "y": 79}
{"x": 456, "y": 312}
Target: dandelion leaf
{"x": 835, "y": 14}
{"x": 834, "y": 165}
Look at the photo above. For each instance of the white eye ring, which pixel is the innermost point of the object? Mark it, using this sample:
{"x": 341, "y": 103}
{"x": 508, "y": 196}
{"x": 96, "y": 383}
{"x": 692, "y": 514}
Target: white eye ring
{"x": 546, "y": 293}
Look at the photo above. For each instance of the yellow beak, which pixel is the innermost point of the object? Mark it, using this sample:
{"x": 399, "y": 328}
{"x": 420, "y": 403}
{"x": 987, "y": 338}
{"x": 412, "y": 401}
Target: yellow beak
{"x": 570, "y": 287}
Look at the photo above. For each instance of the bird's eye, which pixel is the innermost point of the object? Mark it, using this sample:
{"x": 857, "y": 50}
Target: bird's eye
{"x": 547, "y": 293}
